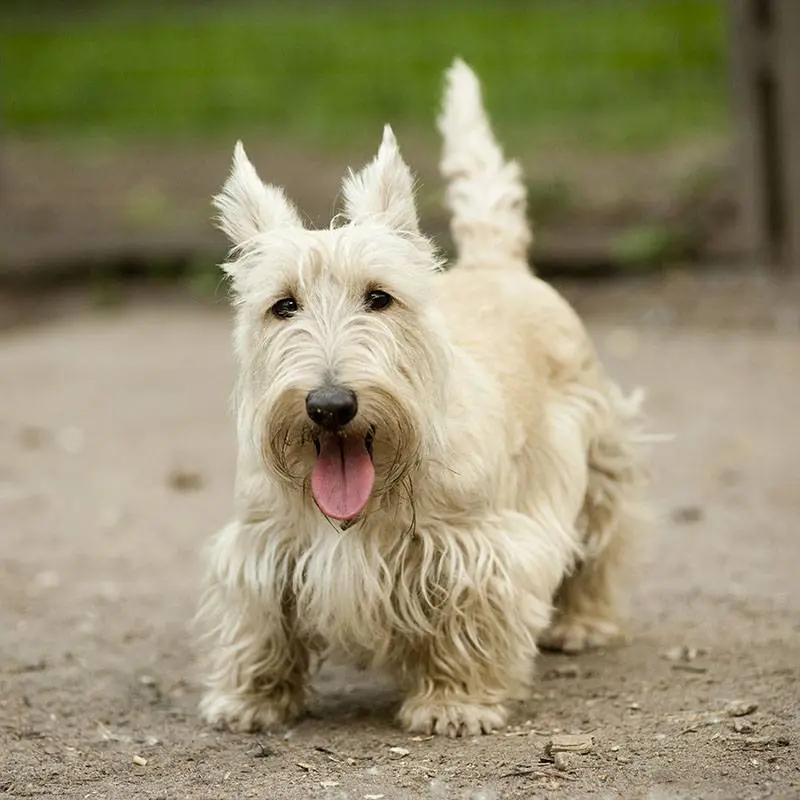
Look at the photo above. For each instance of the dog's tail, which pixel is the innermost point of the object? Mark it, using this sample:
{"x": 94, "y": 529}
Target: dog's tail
{"x": 485, "y": 193}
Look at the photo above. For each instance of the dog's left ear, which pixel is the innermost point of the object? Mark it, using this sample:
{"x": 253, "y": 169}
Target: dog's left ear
{"x": 384, "y": 190}
{"x": 247, "y": 206}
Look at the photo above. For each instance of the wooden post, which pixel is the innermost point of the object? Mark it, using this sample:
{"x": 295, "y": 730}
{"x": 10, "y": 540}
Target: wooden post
{"x": 765, "y": 50}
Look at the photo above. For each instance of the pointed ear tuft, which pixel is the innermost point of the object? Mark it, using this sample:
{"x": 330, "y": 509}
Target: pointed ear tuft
{"x": 383, "y": 191}
{"x": 247, "y": 207}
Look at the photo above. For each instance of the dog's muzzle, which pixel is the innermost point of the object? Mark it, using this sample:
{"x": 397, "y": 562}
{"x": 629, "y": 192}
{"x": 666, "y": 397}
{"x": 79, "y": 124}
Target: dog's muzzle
{"x": 343, "y": 475}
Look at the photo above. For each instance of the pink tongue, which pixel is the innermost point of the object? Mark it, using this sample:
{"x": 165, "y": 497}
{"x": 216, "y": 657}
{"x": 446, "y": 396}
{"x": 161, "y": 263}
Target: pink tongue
{"x": 343, "y": 476}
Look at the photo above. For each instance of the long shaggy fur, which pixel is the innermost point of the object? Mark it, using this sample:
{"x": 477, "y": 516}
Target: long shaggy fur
{"x": 505, "y": 460}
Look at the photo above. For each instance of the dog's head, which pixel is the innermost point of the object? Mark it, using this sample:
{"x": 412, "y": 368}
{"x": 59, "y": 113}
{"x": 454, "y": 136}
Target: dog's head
{"x": 341, "y": 354}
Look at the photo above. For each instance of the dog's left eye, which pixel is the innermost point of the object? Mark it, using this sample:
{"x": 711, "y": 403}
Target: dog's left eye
{"x": 284, "y": 308}
{"x": 377, "y": 300}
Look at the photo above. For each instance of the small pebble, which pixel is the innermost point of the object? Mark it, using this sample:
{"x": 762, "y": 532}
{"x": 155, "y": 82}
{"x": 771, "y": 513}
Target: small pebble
{"x": 399, "y": 751}
{"x": 580, "y": 743}
{"x": 758, "y": 742}
{"x": 139, "y": 761}
{"x": 740, "y": 708}
{"x": 683, "y": 653}
{"x": 743, "y": 726}
{"x": 565, "y": 762}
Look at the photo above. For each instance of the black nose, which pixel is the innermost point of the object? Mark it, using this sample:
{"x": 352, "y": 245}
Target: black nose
{"x": 331, "y": 407}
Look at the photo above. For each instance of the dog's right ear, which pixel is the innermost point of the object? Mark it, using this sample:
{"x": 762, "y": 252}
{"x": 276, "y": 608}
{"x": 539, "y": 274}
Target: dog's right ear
{"x": 247, "y": 206}
{"x": 383, "y": 190}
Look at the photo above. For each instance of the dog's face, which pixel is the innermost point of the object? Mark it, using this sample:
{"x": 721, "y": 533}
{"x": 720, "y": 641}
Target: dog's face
{"x": 342, "y": 361}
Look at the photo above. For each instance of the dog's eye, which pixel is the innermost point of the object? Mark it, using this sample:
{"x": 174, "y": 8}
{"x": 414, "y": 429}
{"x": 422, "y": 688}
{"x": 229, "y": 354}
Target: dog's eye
{"x": 284, "y": 308}
{"x": 377, "y": 300}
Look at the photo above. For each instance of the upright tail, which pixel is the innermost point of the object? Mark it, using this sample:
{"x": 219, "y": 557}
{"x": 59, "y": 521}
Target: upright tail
{"x": 485, "y": 193}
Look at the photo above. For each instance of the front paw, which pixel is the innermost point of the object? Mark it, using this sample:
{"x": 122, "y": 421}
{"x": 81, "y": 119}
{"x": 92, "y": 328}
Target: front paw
{"x": 249, "y": 713}
{"x": 451, "y": 718}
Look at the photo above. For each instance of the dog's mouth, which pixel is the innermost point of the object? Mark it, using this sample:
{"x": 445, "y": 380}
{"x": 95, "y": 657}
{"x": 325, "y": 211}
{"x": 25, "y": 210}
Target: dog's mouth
{"x": 343, "y": 475}
{"x": 368, "y": 440}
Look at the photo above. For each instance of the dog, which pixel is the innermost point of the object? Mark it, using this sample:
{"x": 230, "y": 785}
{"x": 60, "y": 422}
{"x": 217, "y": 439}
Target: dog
{"x": 434, "y": 473}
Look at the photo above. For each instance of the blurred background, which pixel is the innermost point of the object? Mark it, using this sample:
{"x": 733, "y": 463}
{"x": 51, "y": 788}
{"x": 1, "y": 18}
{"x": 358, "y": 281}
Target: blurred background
{"x": 119, "y": 117}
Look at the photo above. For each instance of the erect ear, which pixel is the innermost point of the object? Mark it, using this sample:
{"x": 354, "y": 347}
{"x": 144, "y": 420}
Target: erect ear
{"x": 384, "y": 190}
{"x": 247, "y": 206}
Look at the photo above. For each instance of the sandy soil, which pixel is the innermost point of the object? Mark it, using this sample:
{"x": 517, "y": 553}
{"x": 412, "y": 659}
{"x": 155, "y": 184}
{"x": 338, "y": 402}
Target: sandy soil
{"x": 116, "y": 462}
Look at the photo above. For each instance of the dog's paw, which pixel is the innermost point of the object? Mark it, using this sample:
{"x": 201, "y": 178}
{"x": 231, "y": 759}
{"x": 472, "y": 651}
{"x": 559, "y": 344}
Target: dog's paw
{"x": 448, "y": 718}
{"x": 249, "y": 713}
{"x": 574, "y": 634}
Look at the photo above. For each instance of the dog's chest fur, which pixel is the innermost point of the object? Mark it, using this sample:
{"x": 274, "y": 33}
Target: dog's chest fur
{"x": 355, "y": 590}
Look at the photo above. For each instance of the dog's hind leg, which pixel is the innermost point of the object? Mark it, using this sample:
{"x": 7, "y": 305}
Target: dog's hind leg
{"x": 586, "y": 603}
{"x": 257, "y": 666}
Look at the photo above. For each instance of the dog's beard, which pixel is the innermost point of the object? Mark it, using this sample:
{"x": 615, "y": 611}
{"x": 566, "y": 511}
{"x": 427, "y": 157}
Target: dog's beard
{"x": 389, "y": 429}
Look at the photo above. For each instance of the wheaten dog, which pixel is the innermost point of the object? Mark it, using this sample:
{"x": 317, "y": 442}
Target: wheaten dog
{"x": 434, "y": 472}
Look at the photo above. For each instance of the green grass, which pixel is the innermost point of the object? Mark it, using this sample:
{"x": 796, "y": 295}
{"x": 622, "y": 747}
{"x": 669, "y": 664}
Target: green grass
{"x": 602, "y": 73}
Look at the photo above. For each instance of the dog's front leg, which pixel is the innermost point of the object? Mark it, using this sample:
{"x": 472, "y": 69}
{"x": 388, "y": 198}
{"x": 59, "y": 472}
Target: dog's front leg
{"x": 485, "y": 599}
{"x": 460, "y": 678}
{"x": 444, "y": 702}
{"x": 257, "y": 667}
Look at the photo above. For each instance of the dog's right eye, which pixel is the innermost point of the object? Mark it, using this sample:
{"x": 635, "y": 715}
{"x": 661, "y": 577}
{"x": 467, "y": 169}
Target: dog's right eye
{"x": 284, "y": 308}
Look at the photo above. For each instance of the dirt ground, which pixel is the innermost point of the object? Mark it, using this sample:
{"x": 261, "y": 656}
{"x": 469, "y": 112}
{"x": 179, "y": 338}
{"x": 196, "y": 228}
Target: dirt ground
{"x": 116, "y": 464}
